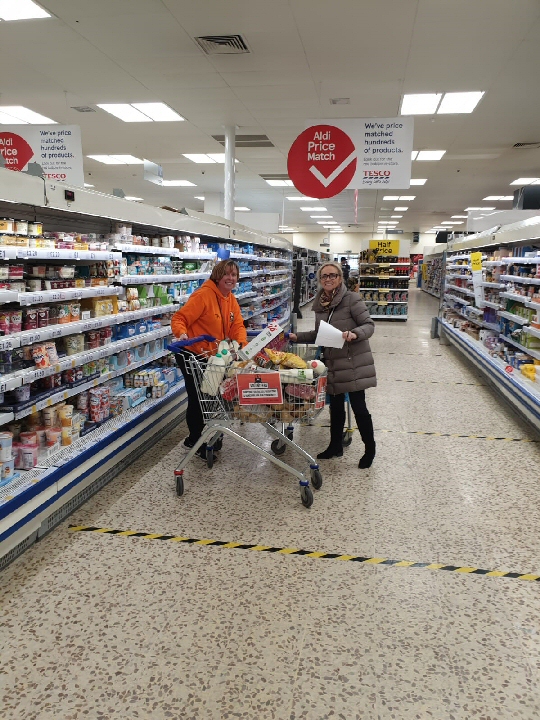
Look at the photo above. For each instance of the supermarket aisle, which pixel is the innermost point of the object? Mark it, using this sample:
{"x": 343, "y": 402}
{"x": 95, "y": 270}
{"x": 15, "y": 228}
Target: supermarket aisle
{"x": 105, "y": 626}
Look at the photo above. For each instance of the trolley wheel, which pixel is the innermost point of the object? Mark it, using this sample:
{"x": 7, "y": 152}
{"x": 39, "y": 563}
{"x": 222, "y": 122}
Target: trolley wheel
{"x": 209, "y": 458}
{"x": 289, "y": 434}
{"x": 218, "y": 444}
{"x": 179, "y": 485}
{"x": 316, "y": 479}
{"x": 277, "y": 447}
{"x": 347, "y": 439}
{"x": 306, "y": 496}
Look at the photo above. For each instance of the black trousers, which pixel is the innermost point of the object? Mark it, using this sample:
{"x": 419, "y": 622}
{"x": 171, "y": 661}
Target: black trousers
{"x": 358, "y": 405}
{"x": 194, "y": 416}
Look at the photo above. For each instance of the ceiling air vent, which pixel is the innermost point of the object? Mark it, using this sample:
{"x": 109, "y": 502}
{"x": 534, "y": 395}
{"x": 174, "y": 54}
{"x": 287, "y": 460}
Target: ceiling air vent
{"x": 340, "y": 101}
{"x": 83, "y": 108}
{"x": 247, "y": 141}
{"x": 527, "y": 146}
{"x": 223, "y": 44}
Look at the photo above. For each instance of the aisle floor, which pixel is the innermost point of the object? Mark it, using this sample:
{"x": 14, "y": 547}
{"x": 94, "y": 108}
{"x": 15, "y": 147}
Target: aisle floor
{"x": 108, "y": 627}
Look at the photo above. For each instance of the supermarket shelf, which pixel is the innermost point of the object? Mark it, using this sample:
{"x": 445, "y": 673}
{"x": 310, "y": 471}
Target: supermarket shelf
{"x": 460, "y": 289}
{"x": 384, "y": 264}
{"x": 71, "y": 392}
{"x": 515, "y": 318}
{"x": 523, "y": 394}
{"x": 430, "y": 292}
{"x": 387, "y": 302}
{"x": 244, "y": 296}
{"x": 492, "y": 284}
{"x": 259, "y": 258}
{"x": 389, "y": 317}
{"x": 491, "y": 326}
{"x": 384, "y": 289}
{"x": 525, "y": 281}
{"x": 8, "y": 253}
{"x": 35, "y": 298}
{"x": 457, "y": 299}
{"x": 522, "y": 260}
{"x": 493, "y": 263}
{"x": 53, "y": 254}
{"x": 463, "y": 256}
{"x": 386, "y": 277}
{"x": 467, "y": 277}
{"x": 270, "y": 272}
{"x": 152, "y": 279}
{"x": 488, "y": 303}
{"x": 532, "y": 331}
{"x": 269, "y": 284}
{"x": 533, "y": 353}
{"x": 52, "y": 332}
{"x": 7, "y": 296}
{"x": 512, "y": 296}
{"x": 455, "y": 267}
{"x": 6, "y": 417}
{"x": 164, "y": 252}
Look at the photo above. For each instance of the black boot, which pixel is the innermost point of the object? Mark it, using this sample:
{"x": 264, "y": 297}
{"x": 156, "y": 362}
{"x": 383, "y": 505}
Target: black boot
{"x": 337, "y": 423}
{"x": 365, "y": 426}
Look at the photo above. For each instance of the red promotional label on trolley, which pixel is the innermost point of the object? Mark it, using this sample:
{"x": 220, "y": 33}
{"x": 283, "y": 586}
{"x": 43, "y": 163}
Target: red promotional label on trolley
{"x": 321, "y": 393}
{"x": 259, "y": 388}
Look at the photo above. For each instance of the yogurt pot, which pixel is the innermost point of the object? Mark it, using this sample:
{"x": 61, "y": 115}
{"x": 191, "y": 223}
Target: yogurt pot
{"x": 21, "y": 227}
{"x": 6, "y": 445}
{"x": 29, "y": 438}
{"x": 8, "y": 469}
{"x": 7, "y": 225}
{"x": 53, "y": 434}
{"x": 35, "y": 228}
{"x": 34, "y": 285}
{"x": 22, "y": 393}
{"x": 43, "y": 315}
{"x": 29, "y": 456}
{"x": 15, "y": 320}
{"x": 4, "y": 272}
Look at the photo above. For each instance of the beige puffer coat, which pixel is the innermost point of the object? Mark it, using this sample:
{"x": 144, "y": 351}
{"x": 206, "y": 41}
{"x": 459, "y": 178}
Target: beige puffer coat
{"x": 351, "y": 367}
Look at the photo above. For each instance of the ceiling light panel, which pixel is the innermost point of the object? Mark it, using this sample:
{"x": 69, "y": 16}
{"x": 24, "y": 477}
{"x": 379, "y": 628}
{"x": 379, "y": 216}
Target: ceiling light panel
{"x": 320, "y": 217}
{"x": 300, "y": 197}
{"x": 133, "y": 198}
{"x": 400, "y": 209}
{"x": 199, "y": 197}
{"x": 21, "y": 10}
{"x": 178, "y": 183}
{"x": 396, "y": 216}
{"x": 429, "y": 155}
{"x": 414, "y": 154}
{"x": 519, "y": 181}
{"x": 199, "y": 158}
{"x": 20, "y": 115}
{"x": 470, "y": 209}
{"x": 105, "y": 159}
{"x": 423, "y": 104}
{"x": 313, "y": 209}
{"x": 125, "y": 112}
{"x": 418, "y": 181}
{"x": 464, "y": 102}
{"x": 459, "y": 216}
{"x": 407, "y": 197}
{"x": 128, "y": 159}
{"x": 87, "y": 185}
{"x": 242, "y": 209}
{"x": 495, "y": 198}
{"x": 277, "y": 183}
{"x": 158, "y": 112}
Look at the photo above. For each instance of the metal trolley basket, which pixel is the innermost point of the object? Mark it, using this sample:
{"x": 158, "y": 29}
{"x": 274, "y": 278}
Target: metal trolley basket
{"x": 218, "y": 394}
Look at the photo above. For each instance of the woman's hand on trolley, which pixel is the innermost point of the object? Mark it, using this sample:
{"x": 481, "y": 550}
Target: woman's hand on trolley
{"x": 349, "y": 336}
{"x": 292, "y": 337}
{"x": 183, "y": 336}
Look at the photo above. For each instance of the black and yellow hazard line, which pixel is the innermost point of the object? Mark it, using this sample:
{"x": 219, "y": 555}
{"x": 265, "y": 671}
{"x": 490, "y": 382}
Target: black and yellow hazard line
{"x": 228, "y": 545}
{"x": 439, "y": 434}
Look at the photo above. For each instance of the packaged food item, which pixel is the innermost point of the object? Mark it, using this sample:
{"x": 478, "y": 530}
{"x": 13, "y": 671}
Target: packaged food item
{"x": 41, "y": 433}
{"x": 21, "y": 227}
{"x": 52, "y": 353}
{"x": 15, "y": 320}
{"x": 22, "y": 393}
{"x": 40, "y": 356}
{"x": 63, "y": 313}
{"x": 50, "y": 418}
{"x": 30, "y": 318}
{"x": 75, "y": 311}
{"x": 7, "y": 225}
{"x": 35, "y": 228}
{"x": 53, "y": 434}
{"x": 6, "y": 443}
{"x": 5, "y": 322}
{"x": 66, "y": 435}
{"x": 93, "y": 338}
{"x": 65, "y": 414}
{"x": 29, "y": 456}
{"x": 8, "y": 469}
{"x": 43, "y": 315}
{"x": 74, "y": 344}
{"x": 29, "y": 438}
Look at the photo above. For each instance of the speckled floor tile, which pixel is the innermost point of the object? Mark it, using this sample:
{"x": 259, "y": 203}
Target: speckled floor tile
{"x": 96, "y": 627}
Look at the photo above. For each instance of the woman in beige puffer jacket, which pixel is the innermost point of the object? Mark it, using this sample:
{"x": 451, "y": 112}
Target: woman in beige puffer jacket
{"x": 351, "y": 368}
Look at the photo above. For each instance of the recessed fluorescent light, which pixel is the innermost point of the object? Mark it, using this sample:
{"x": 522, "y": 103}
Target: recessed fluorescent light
{"x": 391, "y": 197}
{"x": 322, "y": 222}
{"x": 431, "y": 232}
{"x": 396, "y": 216}
{"x": 459, "y": 102}
{"x": 131, "y": 197}
{"x": 117, "y": 159}
{"x": 423, "y": 104}
{"x": 407, "y": 197}
{"x": 449, "y": 222}
{"x": 158, "y": 112}
{"x": 242, "y": 209}
{"x": 277, "y": 183}
{"x": 505, "y": 198}
{"x": 430, "y": 155}
{"x": 414, "y": 154}
{"x": 88, "y": 185}
{"x": 418, "y": 181}
{"x": 300, "y": 197}
{"x": 320, "y": 217}
{"x": 459, "y": 216}
{"x": 199, "y": 197}
{"x": 400, "y": 209}
{"x": 178, "y": 183}
{"x": 128, "y": 159}
{"x": 21, "y": 10}
{"x": 199, "y": 158}
{"x": 519, "y": 181}
{"x": 470, "y": 209}
{"x": 125, "y": 112}
{"x": 313, "y": 209}
{"x": 19, "y": 115}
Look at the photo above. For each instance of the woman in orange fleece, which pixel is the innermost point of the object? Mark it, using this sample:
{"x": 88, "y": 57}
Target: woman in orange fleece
{"x": 210, "y": 310}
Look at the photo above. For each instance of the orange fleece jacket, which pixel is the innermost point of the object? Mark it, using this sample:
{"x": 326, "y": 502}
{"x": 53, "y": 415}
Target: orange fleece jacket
{"x": 208, "y": 312}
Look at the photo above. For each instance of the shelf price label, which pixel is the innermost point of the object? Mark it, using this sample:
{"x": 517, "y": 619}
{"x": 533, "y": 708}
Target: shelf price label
{"x": 6, "y": 344}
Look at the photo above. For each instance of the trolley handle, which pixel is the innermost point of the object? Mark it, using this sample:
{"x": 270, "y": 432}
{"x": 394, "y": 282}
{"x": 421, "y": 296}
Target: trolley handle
{"x": 181, "y": 344}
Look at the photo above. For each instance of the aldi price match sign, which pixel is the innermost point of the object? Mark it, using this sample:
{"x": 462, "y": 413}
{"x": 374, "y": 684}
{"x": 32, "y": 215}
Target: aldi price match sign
{"x": 358, "y": 153}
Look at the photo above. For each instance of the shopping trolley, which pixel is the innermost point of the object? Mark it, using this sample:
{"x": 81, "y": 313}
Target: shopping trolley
{"x": 222, "y": 393}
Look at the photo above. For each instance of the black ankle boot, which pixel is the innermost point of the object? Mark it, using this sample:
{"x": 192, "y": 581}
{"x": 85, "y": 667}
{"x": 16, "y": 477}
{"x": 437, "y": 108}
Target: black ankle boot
{"x": 365, "y": 426}
{"x": 330, "y": 452}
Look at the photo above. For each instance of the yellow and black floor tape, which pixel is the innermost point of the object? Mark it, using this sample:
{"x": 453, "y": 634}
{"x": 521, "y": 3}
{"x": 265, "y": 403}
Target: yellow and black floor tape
{"x": 225, "y": 544}
{"x": 438, "y": 434}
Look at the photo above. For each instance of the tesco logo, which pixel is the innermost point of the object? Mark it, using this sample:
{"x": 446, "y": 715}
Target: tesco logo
{"x": 56, "y": 176}
{"x": 376, "y": 173}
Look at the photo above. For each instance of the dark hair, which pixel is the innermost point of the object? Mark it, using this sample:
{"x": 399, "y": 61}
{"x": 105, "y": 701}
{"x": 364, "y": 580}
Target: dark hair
{"x": 343, "y": 258}
{"x": 222, "y": 268}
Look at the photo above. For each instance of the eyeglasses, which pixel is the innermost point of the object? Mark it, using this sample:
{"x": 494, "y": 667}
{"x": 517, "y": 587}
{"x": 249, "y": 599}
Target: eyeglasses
{"x": 330, "y": 276}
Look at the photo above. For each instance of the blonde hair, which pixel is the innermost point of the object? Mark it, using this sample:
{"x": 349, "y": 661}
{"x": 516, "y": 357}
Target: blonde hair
{"x": 330, "y": 264}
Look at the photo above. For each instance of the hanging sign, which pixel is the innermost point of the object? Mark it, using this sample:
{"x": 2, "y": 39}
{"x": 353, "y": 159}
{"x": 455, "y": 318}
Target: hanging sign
{"x": 56, "y": 148}
{"x": 259, "y": 388}
{"x": 358, "y": 153}
{"x": 476, "y": 268}
{"x": 385, "y": 247}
